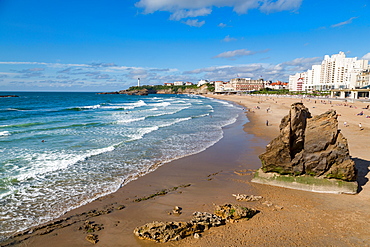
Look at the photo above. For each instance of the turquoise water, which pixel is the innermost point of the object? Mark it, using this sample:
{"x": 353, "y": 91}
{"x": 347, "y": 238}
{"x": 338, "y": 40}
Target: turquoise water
{"x": 59, "y": 151}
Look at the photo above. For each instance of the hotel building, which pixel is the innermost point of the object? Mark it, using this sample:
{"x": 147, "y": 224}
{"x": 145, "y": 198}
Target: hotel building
{"x": 335, "y": 72}
{"x": 239, "y": 85}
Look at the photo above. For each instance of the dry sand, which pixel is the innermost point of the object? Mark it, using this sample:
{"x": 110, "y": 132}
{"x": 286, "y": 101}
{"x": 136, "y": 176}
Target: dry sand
{"x": 290, "y": 218}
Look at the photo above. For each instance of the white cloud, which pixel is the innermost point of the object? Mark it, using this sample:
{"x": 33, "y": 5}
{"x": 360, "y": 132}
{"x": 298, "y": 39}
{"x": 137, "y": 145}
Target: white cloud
{"x": 238, "y": 53}
{"x": 280, "y": 5}
{"x": 303, "y": 61}
{"x": 98, "y": 78}
{"x": 222, "y": 25}
{"x": 47, "y": 64}
{"x": 55, "y": 76}
{"x": 194, "y": 23}
{"x": 181, "y": 14}
{"x": 349, "y": 21}
{"x": 193, "y": 8}
{"x": 229, "y": 39}
{"x": 267, "y": 71}
{"x": 366, "y": 56}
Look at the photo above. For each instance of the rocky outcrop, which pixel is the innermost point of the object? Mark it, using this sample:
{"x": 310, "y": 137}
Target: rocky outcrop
{"x": 143, "y": 91}
{"x": 162, "y": 232}
{"x": 8, "y": 96}
{"x": 168, "y": 90}
{"x": 246, "y": 198}
{"x": 232, "y": 213}
{"x": 309, "y": 146}
{"x": 172, "y": 231}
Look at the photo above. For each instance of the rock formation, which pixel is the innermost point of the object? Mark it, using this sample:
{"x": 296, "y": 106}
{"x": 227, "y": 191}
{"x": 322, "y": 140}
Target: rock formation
{"x": 309, "y": 146}
{"x": 163, "y": 90}
{"x": 232, "y": 213}
{"x": 172, "y": 231}
{"x": 162, "y": 232}
{"x": 8, "y": 96}
{"x": 140, "y": 92}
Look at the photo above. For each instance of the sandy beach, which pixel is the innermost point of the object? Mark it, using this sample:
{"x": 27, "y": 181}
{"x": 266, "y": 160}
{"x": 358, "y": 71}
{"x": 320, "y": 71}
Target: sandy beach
{"x": 195, "y": 183}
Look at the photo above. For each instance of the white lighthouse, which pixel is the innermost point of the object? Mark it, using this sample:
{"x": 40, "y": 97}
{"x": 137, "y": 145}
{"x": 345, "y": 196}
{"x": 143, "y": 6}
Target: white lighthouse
{"x": 138, "y": 82}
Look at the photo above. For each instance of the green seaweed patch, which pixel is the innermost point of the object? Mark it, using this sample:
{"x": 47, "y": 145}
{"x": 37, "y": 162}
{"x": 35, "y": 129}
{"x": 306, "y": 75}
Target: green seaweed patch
{"x": 161, "y": 193}
{"x": 305, "y": 182}
{"x": 337, "y": 175}
{"x": 276, "y": 169}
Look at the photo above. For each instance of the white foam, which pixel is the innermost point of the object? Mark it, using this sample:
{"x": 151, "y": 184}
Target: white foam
{"x": 203, "y": 115}
{"x": 91, "y": 107}
{"x": 5, "y": 133}
{"x": 141, "y": 132}
{"x": 43, "y": 163}
{"x": 112, "y": 106}
{"x": 162, "y": 104}
{"x": 230, "y": 121}
{"x": 13, "y": 109}
{"x": 175, "y": 122}
{"x": 130, "y": 120}
{"x": 169, "y": 112}
{"x": 134, "y": 105}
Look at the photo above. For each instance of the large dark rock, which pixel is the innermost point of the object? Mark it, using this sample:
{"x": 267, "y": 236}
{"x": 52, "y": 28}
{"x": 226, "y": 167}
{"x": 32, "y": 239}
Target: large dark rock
{"x": 309, "y": 146}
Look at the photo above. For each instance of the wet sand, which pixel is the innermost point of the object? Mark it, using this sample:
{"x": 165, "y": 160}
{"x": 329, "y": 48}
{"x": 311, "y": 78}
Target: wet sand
{"x": 287, "y": 217}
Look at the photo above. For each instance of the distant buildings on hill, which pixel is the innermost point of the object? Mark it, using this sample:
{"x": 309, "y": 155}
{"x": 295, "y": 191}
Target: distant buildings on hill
{"x": 178, "y": 83}
{"x": 343, "y": 76}
{"x": 236, "y": 85}
{"x": 335, "y": 72}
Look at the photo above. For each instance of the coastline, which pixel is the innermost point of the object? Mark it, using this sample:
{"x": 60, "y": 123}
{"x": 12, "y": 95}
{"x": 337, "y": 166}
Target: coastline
{"x": 289, "y": 218}
{"x": 203, "y": 171}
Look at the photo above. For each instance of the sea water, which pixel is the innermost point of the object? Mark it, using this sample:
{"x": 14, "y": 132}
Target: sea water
{"x": 59, "y": 151}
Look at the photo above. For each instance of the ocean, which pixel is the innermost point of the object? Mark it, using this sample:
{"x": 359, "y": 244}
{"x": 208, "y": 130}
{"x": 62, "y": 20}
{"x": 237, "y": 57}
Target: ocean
{"x": 59, "y": 151}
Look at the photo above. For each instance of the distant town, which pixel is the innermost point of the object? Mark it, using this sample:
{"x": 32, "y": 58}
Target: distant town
{"x": 338, "y": 75}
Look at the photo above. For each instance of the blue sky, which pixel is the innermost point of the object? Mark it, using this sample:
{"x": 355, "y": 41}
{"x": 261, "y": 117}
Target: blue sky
{"x": 89, "y": 45}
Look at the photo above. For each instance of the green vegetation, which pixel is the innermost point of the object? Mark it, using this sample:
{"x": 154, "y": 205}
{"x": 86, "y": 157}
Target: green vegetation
{"x": 210, "y": 87}
{"x": 162, "y": 87}
{"x": 271, "y": 91}
{"x": 306, "y": 180}
{"x": 277, "y": 169}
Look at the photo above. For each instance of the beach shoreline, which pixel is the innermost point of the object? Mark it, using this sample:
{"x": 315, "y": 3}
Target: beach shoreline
{"x": 287, "y": 217}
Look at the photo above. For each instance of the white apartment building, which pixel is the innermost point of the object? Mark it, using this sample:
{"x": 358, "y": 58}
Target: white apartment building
{"x": 363, "y": 78}
{"x": 296, "y": 81}
{"x": 179, "y": 83}
{"x": 221, "y": 87}
{"x": 335, "y": 72}
{"x": 202, "y": 82}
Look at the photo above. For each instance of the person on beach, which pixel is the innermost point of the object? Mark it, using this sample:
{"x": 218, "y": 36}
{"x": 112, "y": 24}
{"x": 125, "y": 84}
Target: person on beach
{"x": 267, "y": 122}
{"x": 345, "y": 124}
{"x": 360, "y": 126}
